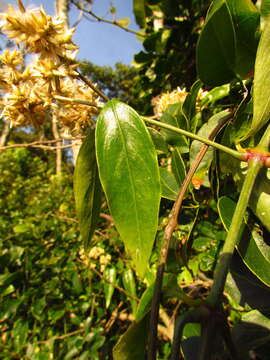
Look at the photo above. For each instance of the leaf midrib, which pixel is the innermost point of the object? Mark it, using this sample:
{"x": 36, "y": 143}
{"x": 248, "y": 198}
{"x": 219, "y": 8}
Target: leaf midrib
{"x": 129, "y": 169}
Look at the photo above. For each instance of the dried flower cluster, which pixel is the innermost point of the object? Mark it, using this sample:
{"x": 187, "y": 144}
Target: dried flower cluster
{"x": 161, "y": 102}
{"x": 28, "y": 91}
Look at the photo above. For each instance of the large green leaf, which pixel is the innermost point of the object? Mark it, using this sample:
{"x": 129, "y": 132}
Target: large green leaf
{"x": 129, "y": 175}
{"x": 216, "y": 48}
{"x": 253, "y": 250}
{"x": 246, "y": 19}
{"x": 87, "y": 188}
{"x": 261, "y": 99}
{"x": 132, "y": 345}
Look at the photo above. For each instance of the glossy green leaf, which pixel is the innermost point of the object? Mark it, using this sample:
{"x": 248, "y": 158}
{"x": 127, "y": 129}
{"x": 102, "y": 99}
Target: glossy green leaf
{"x": 189, "y": 105}
{"x": 130, "y": 286}
{"x": 200, "y": 177}
{"x": 261, "y": 99}
{"x": 110, "y": 275}
{"x": 139, "y": 11}
{"x": 132, "y": 345}
{"x": 246, "y": 19}
{"x": 178, "y": 166}
{"x": 253, "y": 250}
{"x": 169, "y": 185}
{"x": 87, "y": 188}
{"x": 216, "y": 48}
{"x": 215, "y": 94}
{"x": 129, "y": 175}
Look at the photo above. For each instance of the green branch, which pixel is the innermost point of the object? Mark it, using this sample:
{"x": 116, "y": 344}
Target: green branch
{"x": 225, "y": 256}
{"x": 234, "y": 153}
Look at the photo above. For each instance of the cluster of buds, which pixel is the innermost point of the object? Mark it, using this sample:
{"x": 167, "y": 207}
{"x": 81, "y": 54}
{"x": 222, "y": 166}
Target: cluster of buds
{"x": 28, "y": 92}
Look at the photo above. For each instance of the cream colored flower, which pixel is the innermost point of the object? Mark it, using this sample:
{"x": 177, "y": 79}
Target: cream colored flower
{"x": 11, "y": 58}
{"x": 75, "y": 116}
{"x": 39, "y": 32}
{"x": 22, "y": 106}
{"x": 161, "y": 102}
{"x": 96, "y": 252}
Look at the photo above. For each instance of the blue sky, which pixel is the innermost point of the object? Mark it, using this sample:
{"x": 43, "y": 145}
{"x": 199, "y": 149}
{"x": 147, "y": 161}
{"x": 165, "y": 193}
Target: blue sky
{"x": 101, "y": 43}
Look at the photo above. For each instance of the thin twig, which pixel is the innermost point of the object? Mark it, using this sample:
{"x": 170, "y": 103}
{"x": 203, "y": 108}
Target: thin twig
{"x": 34, "y": 143}
{"x": 92, "y": 86}
{"x": 152, "y": 346}
{"x": 78, "y": 101}
{"x": 114, "y": 285}
{"x": 111, "y": 22}
{"x": 62, "y": 337}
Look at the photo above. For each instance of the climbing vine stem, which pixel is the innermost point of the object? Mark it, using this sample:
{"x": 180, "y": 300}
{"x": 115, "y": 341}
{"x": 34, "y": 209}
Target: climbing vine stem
{"x": 255, "y": 164}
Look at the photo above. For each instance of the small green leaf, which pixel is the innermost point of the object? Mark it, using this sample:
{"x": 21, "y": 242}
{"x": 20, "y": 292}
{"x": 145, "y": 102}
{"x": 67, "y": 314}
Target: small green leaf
{"x": 87, "y": 188}
{"x": 261, "y": 99}
{"x": 216, "y": 46}
{"x": 109, "y": 274}
{"x": 130, "y": 286}
{"x": 189, "y": 105}
{"x": 201, "y": 175}
{"x": 132, "y": 345}
{"x": 21, "y": 228}
{"x": 139, "y": 12}
{"x": 169, "y": 185}
{"x": 215, "y": 94}
{"x": 129, "y": 174}
{"x": 178, "y": 166}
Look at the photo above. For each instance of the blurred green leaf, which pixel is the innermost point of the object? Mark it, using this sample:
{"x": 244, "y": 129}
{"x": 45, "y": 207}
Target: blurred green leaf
{"x": 132, "y": 345}
{"x": 130, "y": 286}
{"x": 110, "y": 274}
{"x": 139, "y": 11}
